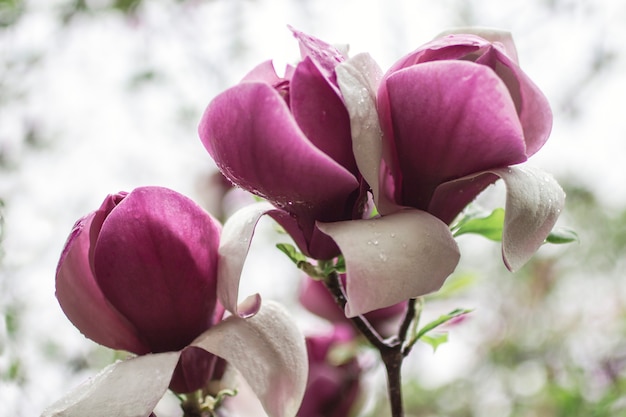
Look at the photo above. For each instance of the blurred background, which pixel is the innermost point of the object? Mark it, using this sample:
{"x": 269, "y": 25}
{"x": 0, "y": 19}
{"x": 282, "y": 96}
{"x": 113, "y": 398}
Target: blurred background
{"x": 98, "y": 96}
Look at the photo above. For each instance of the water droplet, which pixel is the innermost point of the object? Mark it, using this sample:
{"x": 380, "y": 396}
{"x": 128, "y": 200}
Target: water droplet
{"x": 382, "y": 257}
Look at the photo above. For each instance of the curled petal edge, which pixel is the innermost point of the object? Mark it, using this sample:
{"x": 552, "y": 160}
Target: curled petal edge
{"x": 268, "y": 350}
{"x": 393, "y": 258}
{"x": 235, "y": 242}
{"x": 270, "y": 353}
{"x": 534, "y": 201}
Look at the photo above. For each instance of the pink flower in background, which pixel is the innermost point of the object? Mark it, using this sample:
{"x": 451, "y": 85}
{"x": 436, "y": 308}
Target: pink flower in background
{"x": 140, "y": 274}
{"x": 450, "y": 111}
{"x": 318, "y": 300}
{"x": 288, "y": 140}
{"x": 332, "y": 388}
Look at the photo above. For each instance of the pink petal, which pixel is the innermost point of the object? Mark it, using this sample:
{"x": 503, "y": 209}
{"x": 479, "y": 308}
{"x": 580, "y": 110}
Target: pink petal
{"x": 358, "y": 79}
{"x": 450, "y": 119}
{"x": 393, "y": 258}
{"x": 309, "y": 239}
{"x": 451, "y": 197}
{"x": 253, "y": 138}
{"x": 193, "y": 371}
{"x": 264, "y": 72}
{"x": 234, "y": 245}
{"x": 501, "y": 39}
{"x": 315, "y": 297}
{"x": 156, "y": 261}
{"x": 269, "y": 351}
{"x": 533, "y": 204}
{"x": 82, "y": 300}
{"x": 321, "y": 114}
{"x": 131, "y": 388}
{"x": 531, "y": 105}
{"x": 325, "y": 56}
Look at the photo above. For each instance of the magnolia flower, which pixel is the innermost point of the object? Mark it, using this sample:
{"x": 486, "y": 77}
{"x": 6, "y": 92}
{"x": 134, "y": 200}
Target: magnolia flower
{"x": 287, "y": 139}
{"x": 144, "y": 274}
{"x": 140, "y": 274}
{"x": 290, "y": 141}
{"x": 443, "y": 123}
{"x": 450, "y": 112}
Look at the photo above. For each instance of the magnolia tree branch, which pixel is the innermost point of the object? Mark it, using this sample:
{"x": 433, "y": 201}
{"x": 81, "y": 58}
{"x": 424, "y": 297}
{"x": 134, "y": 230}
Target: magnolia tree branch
{"x": 333, "y": 284}
{"x": 390, "y": 349}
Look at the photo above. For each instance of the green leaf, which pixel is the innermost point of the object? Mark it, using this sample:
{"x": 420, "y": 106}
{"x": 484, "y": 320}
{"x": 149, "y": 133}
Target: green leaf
{"x": 302, "y": 261}
{"x": 329, "y": 267}
{"x": 296, "y": 256}
{"x": 435, "y": 340}
{"x": 562, "y": 235}
{"x": 439, "y": 321}
{"x": 489, "y": 226}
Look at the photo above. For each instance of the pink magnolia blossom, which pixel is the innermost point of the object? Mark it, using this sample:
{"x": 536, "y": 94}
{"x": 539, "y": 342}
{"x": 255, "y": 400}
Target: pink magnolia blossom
{"x": 146, "y": 273}
{"x": 445, "y": 122}
{"x": 140, "y": 274}
{"x": 287, "y": 139}
{"x": 450, "y": 112}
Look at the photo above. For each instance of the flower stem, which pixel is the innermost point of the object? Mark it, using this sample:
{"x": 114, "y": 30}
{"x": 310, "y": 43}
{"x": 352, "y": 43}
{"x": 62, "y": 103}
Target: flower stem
{"x": 390, "y": 349}
{"x": 393, "y": 364}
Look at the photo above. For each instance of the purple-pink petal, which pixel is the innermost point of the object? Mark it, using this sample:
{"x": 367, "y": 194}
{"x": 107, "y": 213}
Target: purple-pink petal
{"x": 449, "y": 119}
{"x": 451, "y": 197}
{"x": 156, "y": 261}
{"x": 532, "y": 106}
{"x": 264, "y": 72}
{"x": 82, "y": 300}
{"x": 321, "y": 114}
{"x": 324, "y": 55}
{"x": 251, "y": 135}
{"x": 194, "y": 368}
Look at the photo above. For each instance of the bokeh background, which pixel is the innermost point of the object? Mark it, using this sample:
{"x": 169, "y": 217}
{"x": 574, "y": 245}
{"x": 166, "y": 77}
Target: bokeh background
{"x": 98, "y": 96}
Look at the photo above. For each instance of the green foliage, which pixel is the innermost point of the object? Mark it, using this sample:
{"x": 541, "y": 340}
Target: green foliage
{"x": 434, "y": 340}
{"x": 126, "y": 6}
{"x": 489, "y": 226}
{"x": 320, "y": 271}
{"x": 10, "y": 12}
{"x": 562, "y": 235}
